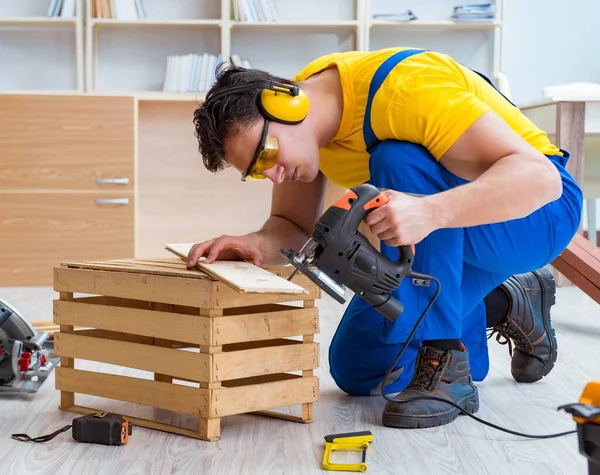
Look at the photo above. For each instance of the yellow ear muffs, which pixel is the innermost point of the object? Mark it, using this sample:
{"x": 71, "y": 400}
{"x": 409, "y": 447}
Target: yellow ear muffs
{"x": 282, "y": 107}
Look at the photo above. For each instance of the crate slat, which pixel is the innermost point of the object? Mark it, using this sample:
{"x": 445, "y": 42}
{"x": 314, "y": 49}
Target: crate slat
{"x": 225, "y": 296}
{"x": 265, "y": 325}
{"x": 172, "y": 397}
{"x": 267, "y": 360}
{"x": 148, "y": 287}
{"x": 172, "y": 362}
{"x": 192, "y": 329}
{"x": 259, "y": 397}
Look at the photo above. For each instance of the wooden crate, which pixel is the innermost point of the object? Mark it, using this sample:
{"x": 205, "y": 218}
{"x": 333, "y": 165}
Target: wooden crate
{"x": 245, "y": 352}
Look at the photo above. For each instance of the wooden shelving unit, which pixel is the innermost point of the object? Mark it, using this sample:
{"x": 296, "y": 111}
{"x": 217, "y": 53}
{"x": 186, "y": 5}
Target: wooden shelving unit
{"x": 129, "y": 56}
{"x": 29, "y": 38}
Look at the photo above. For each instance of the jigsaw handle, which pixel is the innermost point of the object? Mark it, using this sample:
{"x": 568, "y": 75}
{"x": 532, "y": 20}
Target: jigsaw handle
{"x": 359, "y": 202}
{"x": 350, "y": 259}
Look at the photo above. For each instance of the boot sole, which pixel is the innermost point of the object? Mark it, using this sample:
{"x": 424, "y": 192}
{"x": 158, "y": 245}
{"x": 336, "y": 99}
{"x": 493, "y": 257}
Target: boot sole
{"x": 470, "y": 405}
{"x": 548, "y": 286}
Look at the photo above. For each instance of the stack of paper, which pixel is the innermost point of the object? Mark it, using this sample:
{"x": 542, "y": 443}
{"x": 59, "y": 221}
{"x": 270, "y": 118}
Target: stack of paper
{"x": 474, "y": 12}
{"x": 408, "y": 15}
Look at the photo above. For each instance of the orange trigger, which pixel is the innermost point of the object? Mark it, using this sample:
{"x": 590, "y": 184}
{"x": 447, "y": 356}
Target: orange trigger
{"x": 377, "y": 202}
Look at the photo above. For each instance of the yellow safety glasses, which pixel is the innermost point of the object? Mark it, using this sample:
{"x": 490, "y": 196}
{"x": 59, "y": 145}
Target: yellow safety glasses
{"x": 265, "y": 156}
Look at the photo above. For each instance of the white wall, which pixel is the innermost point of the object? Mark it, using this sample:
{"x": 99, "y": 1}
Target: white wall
{"x": 550, "y": 42}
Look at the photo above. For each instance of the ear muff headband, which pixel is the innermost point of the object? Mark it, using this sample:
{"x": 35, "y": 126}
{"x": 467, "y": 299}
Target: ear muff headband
{"x": 277, "y": 101}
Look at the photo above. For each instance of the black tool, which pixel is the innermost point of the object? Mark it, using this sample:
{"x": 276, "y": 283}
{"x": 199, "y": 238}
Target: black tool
{"x": 103, "y": 428}
{"x": 343, "y": 258}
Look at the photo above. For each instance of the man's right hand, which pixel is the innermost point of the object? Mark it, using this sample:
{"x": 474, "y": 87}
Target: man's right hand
{"x": 225, "y": 247}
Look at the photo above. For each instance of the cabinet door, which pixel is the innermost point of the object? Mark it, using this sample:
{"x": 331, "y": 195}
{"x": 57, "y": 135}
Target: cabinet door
{"x": 67, "y": 142}
{"x": 41, "y": 230}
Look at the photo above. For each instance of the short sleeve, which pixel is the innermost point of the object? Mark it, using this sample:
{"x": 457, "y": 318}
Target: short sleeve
{"x": 431, "y": 108}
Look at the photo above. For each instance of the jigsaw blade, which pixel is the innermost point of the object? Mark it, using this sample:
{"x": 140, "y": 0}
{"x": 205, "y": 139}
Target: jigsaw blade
{"x": 327, "y": 284}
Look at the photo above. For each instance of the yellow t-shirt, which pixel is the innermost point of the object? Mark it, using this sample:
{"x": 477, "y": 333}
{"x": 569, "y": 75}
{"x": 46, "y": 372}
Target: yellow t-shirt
{"x": 428, "y": 99}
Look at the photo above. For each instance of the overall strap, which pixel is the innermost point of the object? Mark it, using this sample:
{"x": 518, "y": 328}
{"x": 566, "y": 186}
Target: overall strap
{"x": 492, "y": 84}
{"x": 369, "y": 136}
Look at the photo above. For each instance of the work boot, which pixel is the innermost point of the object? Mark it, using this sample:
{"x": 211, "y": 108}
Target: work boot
{"x": 528, "y": 325}
{"x": 441, "y": 374}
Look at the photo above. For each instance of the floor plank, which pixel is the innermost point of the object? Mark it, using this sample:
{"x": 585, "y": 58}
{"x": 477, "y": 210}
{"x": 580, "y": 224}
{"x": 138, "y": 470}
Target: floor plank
{"x": 253, "y": 444}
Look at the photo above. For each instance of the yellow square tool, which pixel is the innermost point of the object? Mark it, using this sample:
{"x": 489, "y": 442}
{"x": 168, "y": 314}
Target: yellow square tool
{"x": 358, "y": 441}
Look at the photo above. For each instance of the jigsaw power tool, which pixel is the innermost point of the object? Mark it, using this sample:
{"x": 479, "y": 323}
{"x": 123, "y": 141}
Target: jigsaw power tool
{"x": 26, "y": 358}
{"x": 343, "y": 258}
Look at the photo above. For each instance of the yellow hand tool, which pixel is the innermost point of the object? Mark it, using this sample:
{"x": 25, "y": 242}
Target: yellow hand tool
{"x": 586, "y": 414}
{"x": 347, "y": 441}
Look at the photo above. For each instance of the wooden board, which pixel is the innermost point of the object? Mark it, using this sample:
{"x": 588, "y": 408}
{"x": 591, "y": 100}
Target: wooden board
{"x": 140, "y": 266}
{"x": 243, "y": 276}
{"x": 580, "y": 263}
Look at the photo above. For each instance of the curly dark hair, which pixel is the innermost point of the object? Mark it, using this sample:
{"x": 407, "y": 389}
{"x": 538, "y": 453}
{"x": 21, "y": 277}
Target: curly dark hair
{"x": 227, "y": 115}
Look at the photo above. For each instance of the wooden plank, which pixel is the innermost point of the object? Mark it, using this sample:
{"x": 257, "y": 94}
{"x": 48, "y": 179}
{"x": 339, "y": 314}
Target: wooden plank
{"x": 243, "y": 276}
{"x": 260, "y": 361}
{"x": 67, "y": 398}
{"x": 172, "y": 397}
{"x": 259, "y": 397}
{"x": 139, "y": 267}
{"x": 192, "y": 329}
{"x": 147, "y": 423}
{"x": 147, "y": 287}
{"x": 265, "y": 325}
{"x": 570, "y": 136}
{"x": 209, "y": 429}
{"x": 156, "y": 359}
{"x": 577, "y": 278}
{"x": 225, "y": 296}
{"x": 583, "y": 256}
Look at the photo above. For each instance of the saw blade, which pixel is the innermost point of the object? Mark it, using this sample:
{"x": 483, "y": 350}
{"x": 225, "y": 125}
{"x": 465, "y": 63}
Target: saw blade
{"x": 317, "y": 276}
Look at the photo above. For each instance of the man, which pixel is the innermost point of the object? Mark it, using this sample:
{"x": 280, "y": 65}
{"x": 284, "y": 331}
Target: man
{"x": 472, "y": 182}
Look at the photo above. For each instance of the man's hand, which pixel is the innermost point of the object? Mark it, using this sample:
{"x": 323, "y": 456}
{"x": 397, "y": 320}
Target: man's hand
{"x": 403, "y": 221}
{"x": 227, "y": 248}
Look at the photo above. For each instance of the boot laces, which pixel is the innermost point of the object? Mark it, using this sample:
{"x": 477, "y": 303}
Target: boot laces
{"x": 510, "y": 333}
{"x": 425, "y": 372}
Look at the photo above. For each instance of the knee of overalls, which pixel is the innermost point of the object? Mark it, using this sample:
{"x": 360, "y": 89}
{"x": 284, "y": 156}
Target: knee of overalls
{"x": 359, "y": 359}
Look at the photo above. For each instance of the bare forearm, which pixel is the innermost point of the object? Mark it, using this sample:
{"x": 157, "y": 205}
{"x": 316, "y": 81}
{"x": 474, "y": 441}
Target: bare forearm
{"x": 278, "y": 233}
{"x": 512, "y": 188}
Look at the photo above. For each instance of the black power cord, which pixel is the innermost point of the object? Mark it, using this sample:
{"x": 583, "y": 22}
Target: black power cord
{"x": 425, "y": 277}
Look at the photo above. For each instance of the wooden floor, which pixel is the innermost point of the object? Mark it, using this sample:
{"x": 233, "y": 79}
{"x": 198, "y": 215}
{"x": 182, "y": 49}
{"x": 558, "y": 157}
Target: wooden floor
{"x": 256, "y": 445}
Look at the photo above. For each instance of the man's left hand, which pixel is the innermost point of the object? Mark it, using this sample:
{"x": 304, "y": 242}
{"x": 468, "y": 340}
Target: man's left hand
{"x": 403, "y": 221}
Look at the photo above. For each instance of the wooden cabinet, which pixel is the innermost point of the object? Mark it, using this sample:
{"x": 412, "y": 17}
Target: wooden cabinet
{"x": 68, "y": 182}
{"x": 40, "y": 230}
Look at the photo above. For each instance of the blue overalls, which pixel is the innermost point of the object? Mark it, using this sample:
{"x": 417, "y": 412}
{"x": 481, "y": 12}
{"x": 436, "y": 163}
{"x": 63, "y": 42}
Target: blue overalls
{"x": 469, "y": 262}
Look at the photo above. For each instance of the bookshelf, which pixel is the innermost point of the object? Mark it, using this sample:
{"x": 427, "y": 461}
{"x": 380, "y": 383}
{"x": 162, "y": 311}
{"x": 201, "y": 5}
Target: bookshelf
{"x": 32, "y": 34}
{"x": 125, "y": 50}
